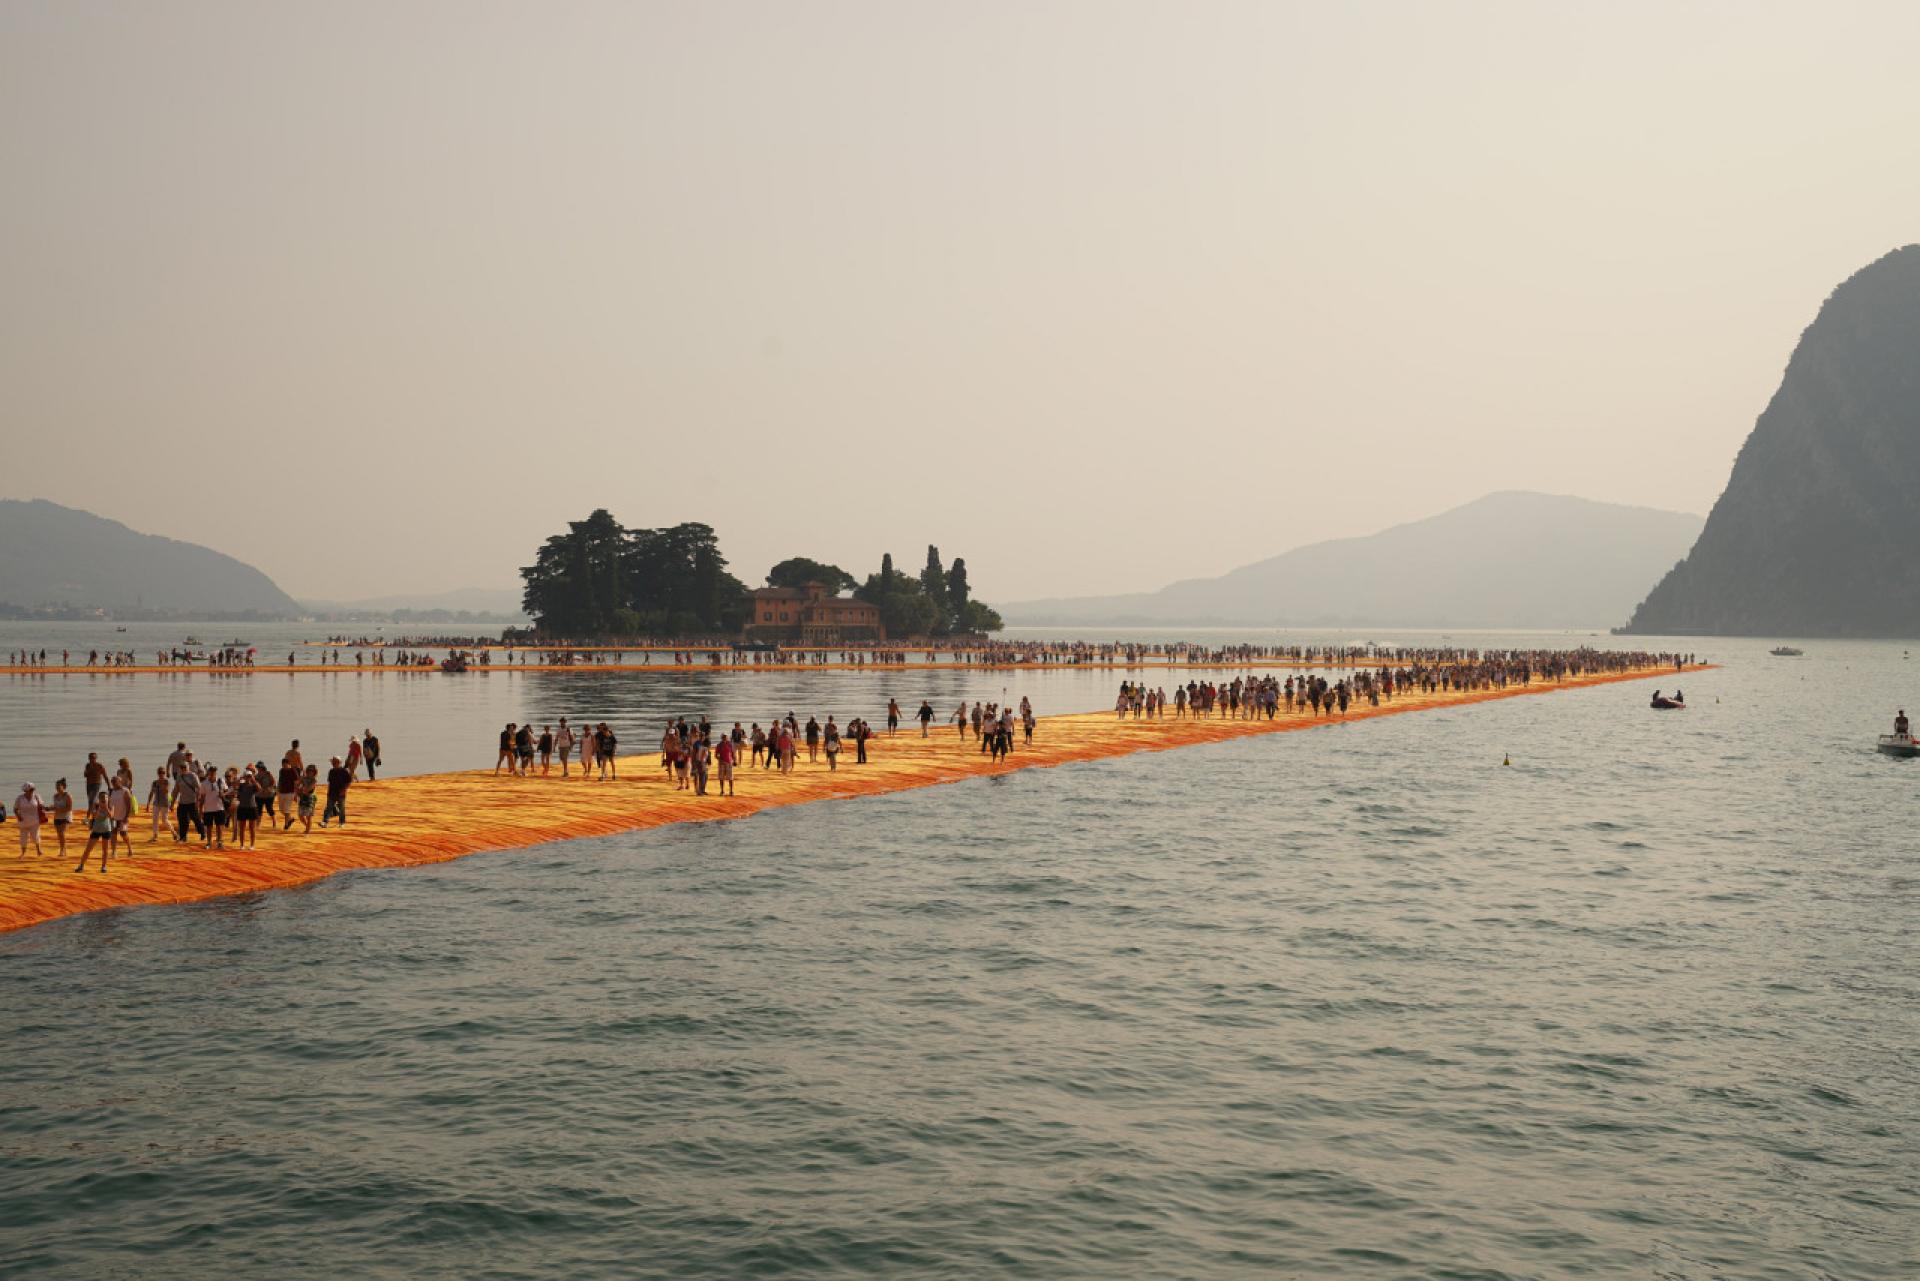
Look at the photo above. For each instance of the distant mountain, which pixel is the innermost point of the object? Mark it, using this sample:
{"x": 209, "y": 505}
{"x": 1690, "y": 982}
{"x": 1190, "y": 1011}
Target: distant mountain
{"x": 63, "y": 556}
{"x": 1813, "y": 535}
{"x": 1511, "y": 559}
{"x": 473, "y": 600}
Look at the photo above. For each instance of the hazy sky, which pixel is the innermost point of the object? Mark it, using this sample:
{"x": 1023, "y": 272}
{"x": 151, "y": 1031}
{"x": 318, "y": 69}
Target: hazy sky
{"x": 1098, "y": 295}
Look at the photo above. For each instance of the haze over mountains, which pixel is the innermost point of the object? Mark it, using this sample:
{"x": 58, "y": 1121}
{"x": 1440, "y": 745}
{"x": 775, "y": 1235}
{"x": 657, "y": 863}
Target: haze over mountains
{"x": 63, "y": 556}
{"x": 1815, "y": 534}
{"x": 1511, "y": 559}
{"x": 502, "y": 602}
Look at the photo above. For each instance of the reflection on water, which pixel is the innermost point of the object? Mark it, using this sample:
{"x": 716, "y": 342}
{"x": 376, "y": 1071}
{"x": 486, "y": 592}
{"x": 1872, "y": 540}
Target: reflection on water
{"x": 1355, "y": 1002}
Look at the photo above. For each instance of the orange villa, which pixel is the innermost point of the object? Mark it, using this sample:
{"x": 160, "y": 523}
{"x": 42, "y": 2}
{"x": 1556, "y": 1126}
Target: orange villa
{"x": 812, "y": 616}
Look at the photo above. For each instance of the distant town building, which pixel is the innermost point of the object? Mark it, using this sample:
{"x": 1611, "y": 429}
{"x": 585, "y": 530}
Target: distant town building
{"x": 811, "y": 615}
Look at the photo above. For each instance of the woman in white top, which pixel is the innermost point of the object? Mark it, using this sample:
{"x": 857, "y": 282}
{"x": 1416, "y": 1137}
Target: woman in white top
{"x": 213, "y": 811}
{"x": 563, "y": 743}
{"x": 26, "y": 811}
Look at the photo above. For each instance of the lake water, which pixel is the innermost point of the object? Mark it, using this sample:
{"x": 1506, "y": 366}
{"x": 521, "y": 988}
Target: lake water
{"x": 1354, "y": 1002}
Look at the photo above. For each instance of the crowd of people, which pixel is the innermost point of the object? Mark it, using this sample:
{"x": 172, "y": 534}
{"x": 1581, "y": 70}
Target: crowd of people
{"x": 186, "y": 795}
{"x": 423, "y": 654}
{"x": 692, "y": 752}
{"x": 233, "y": 805}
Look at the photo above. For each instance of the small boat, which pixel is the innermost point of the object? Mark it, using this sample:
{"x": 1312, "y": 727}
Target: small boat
{"x": 453, "y": 664}
{"x": 1899, "y": 745}
{"x": 193, "y": 640}
{"x": 1661, "y": 703}
{"x": 1785, "y": 651}
{"x": 119, "y": 629}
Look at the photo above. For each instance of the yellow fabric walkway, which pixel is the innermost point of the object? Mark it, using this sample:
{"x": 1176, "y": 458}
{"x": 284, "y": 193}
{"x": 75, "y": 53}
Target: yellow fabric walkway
{"x": 430, "y": 818}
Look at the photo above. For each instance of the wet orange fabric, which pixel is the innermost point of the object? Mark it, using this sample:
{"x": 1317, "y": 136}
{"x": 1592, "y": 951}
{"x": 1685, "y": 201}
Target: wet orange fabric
{"x": 430, "y": 818}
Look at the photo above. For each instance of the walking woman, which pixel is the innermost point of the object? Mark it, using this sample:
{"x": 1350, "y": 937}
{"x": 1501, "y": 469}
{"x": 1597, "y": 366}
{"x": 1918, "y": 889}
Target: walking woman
{"x": 833, "y": 745}
{"x": 563, "y": 743}
{"x": 62, "y": 814}
{"x": 99, "y": 832}
{"x": 28, "y": 813}
{"x": 589, "y": 743}
{"x": 673, "y": 755}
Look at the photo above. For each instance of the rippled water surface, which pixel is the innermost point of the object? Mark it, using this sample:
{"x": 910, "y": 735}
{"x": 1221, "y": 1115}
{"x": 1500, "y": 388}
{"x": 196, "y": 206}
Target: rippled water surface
{"x": 1353, "y": 1002}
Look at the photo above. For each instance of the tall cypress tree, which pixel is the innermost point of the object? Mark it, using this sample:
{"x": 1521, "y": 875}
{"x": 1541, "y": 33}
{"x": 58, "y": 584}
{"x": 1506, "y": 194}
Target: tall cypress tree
{"x": 957, "y": 591}
{"x": 933, "y": 581}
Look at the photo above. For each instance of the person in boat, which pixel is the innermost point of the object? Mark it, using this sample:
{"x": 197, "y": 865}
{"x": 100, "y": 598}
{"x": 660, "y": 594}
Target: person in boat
{"x": 1678, "y": 697}
{"x": 1900, "y": 727}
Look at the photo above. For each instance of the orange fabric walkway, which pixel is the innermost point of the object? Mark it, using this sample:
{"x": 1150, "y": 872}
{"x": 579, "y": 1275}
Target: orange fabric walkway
{"x": 430, "y": 818}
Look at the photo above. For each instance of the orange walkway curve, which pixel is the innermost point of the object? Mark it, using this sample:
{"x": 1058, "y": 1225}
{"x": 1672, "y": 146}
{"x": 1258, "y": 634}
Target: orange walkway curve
{"x": 430, "y": 818}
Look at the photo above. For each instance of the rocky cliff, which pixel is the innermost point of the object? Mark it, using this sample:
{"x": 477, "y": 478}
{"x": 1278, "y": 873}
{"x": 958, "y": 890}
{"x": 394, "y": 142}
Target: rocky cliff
{"x": 1815, "y": 534}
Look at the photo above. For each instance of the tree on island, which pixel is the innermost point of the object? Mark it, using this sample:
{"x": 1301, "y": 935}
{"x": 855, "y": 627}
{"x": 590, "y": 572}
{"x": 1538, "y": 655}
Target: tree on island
{"x": 600, "y": 579}
{"x": 926, "y": 606}
{"x": 798, "y": 571}
{"x": 968, "y": 615}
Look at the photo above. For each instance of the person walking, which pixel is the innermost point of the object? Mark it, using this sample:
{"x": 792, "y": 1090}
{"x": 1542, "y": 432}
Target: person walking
{"x": 246, "y": 809}
{"x": 28, "y": 814}
{"x": 924, "y": 716}
{"x": 702, "y": 756}
{"x": 159, "y": 792}
{"x": 287, "y": 789}
{"x": 120, "y": 810}
{"x": 723, "y": 756}
{"x": 62, "y": 815}
{"x": 213, "y": 811}
{"x": 604, "y": 747}
{"x": 563, "y": 744}
{"x": 99, "y": 832}
{"x": 304, "y": 796}
{"x": 95, "y": 777}
{"x": 338, "y": 781}
{"x": 833, "y": 745}
{"x": 186, "y": 805}
{"x": 369, "y": 752}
